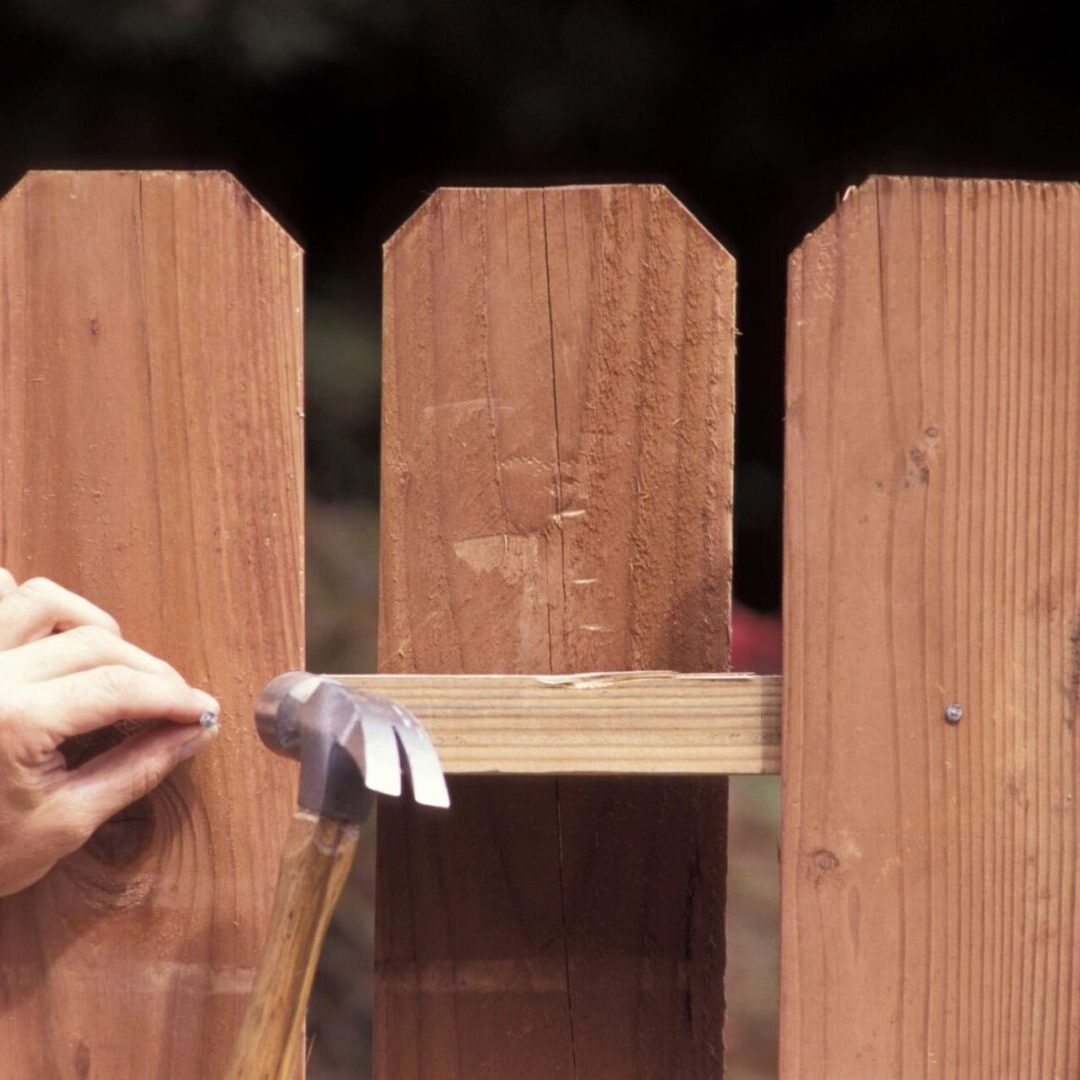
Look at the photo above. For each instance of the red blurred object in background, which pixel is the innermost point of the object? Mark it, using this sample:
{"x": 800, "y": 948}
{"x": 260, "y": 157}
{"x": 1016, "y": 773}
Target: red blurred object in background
{"x": 756, "y": 641}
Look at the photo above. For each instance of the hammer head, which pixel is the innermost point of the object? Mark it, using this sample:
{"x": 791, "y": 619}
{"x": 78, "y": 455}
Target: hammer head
{"x": 349, "y": 743}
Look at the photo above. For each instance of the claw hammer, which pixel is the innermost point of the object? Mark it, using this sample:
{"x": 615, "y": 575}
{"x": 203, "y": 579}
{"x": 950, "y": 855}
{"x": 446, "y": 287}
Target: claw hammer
{"x": 350, "y": 744}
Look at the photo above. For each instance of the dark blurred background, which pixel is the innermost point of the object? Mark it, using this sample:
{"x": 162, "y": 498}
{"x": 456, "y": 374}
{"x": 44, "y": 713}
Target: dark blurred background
{"x": 341, "y": 116}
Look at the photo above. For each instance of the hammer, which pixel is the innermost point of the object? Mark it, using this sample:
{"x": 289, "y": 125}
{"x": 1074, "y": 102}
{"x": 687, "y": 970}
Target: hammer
{"x": 349, "y": 744}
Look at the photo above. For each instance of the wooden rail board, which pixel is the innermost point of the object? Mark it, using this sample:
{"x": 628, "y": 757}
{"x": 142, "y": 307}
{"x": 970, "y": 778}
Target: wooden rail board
{"x": 929, "y": 884}
{"x": 557, "y": 448}
{"x": 621, "y": 722}
{"x": 151, "y": 458}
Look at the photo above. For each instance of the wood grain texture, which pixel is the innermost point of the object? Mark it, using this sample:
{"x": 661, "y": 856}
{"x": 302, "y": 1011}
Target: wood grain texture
{"x": 319, "y": 853}
{"x": 599, "y": 723}
{"x": 929, "y": 881}
{"x": 557, "y": 449}
{"x": 151, "y": 458}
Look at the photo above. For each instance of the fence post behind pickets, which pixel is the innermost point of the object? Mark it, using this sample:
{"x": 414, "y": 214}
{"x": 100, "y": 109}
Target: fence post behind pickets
{"x": 151, "y": 459}
{"x": 557, "y": 454}
{"x": 929, "y": 884}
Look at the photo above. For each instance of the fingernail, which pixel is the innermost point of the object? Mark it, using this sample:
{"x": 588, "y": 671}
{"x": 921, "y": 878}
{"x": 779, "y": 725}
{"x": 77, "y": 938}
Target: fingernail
{"x": 208, "y": 702}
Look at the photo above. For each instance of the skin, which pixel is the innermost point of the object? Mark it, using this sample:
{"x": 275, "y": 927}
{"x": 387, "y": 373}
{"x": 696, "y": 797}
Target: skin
{"x": 66, "y": 670}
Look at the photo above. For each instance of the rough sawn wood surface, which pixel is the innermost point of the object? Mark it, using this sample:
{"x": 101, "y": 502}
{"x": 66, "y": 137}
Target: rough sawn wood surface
{"x": 929, "y": 884}
{"x": 151, "y": 459}
{"x": 557, "y": 451}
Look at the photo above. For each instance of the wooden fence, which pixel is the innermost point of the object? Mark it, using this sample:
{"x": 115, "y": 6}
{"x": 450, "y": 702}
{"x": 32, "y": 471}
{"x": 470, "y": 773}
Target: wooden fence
{"x": 557, "y": 488}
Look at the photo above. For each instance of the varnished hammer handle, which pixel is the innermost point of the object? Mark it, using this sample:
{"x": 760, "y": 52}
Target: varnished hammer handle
{"x": 318, "y": 855}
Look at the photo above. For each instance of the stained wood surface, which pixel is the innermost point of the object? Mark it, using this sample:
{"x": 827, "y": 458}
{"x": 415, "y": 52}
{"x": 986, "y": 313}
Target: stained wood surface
{"x": 594, "y": 723}
{"x": 929, "y": 883}
{"x": 556, "y": 497}
{"x": 151, "y": 458}
{"x": 319, "y": 852}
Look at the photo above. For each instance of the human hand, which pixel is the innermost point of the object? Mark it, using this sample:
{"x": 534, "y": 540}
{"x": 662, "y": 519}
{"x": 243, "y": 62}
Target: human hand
{"x": 66, "y": 671}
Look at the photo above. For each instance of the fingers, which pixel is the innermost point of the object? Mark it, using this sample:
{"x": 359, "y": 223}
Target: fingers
{"x": 39, "y": 607}
{"x": 88, "y": 797}
{"x": 81, "y": 649}
{"x": 123, "y": 775}
{"x": 88, "y": 700}
{"x": 66, "y": 671}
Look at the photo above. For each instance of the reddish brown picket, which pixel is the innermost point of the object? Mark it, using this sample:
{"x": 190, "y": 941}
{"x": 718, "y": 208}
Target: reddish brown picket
{"x": 151, "y": 458}
{"x": 931, "y": 534}
{"x": 556, "y": 497}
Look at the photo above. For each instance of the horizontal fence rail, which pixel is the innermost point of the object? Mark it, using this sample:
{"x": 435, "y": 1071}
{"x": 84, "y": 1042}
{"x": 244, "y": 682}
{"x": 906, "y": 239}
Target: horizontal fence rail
{"x": 598, "y": 723}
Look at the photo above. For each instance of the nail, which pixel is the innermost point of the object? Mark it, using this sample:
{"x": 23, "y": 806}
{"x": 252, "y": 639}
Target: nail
{"x": 954, "y": 714}
{"x": 208, "y": 720}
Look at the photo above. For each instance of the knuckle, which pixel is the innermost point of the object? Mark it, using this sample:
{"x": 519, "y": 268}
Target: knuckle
{"x": 107, "y": 636}
{"x": 159, "y": 667}
{"x": 93, "y": 638}
{"x": 38, "y": 586}
{"x": 116, "y": 681}
{"x": 36, "y": 594}
{"x": 72, "y": 831}
{"x": 65, "y": 605}
{"x": 171, "y": 673}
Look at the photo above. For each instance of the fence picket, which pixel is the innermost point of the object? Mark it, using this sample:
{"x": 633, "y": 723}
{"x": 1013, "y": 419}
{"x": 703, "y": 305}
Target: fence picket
{"x": 556, "y": 497}
{"x": 933, "y": 442}
{"x": 151, "y": 458}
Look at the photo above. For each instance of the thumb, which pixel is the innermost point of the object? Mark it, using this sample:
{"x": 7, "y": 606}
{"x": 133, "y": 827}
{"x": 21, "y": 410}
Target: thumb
{"x": 128, "y": 772}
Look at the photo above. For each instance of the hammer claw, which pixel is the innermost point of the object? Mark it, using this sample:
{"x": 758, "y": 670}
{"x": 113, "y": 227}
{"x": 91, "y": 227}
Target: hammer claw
{"x": 381, "y": 763}
{"x": 425, "y": 772}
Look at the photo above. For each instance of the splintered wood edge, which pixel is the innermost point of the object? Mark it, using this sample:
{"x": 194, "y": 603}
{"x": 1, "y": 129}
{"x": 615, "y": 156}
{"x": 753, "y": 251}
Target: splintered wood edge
{"x": 605, "y": 723}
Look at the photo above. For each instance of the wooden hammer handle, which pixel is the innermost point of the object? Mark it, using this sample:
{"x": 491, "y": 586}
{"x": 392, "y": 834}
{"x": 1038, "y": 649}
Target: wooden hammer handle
{"x": 318, "y": 855}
